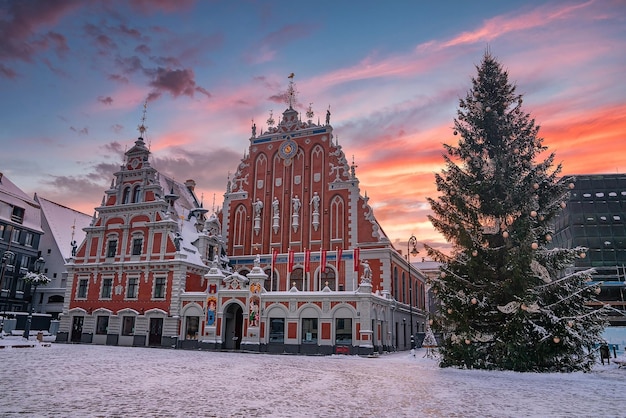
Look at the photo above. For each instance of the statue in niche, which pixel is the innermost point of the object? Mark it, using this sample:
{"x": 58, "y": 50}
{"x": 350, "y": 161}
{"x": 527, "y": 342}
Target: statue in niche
{"x": 296, "y": 204}
{"x": 315, "y": 202}
{"x": 258, "y": 206}
{"x": 275, "y": 206}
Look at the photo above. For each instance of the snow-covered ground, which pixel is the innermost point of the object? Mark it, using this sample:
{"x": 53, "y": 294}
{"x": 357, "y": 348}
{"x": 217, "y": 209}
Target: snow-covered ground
{"x": 66, "y": 380}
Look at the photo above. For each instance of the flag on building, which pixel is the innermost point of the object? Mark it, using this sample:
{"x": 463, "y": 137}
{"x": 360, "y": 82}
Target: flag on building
{"x": 290, "y": 261}
{"x": 322, "y": 260}
{"x": 339, "y": 252}
{"x": 357, "y": 254}
{"x": 274, "y": 256}
{"x": 307, "y": 260}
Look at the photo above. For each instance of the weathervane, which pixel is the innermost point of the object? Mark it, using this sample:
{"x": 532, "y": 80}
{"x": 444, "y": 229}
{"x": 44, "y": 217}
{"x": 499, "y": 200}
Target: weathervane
{"x": 291, "y": 92}
{"x": 142, "y": 128}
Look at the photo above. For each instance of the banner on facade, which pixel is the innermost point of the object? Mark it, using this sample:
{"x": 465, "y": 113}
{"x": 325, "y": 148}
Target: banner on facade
{"x": 274, "y": 256}
{"x": 339, "y": 253}
{"x": 322, "y": 260}
{"x": 290, "y": 261}
{"x": 307, "y": 260}
{"x": 357, "y": 254}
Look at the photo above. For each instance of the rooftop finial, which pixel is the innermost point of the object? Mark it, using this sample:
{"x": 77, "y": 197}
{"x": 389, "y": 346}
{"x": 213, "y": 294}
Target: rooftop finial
{"x": 142, "y": 128}
{"x": 291, "y": 91}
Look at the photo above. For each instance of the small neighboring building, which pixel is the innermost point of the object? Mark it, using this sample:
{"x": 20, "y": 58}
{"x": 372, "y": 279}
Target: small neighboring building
{"x": 20, "y": 233}
{"x": 144, "y": 249}
{"x": 63, "y": 230}
{"x": 595, "y": 218}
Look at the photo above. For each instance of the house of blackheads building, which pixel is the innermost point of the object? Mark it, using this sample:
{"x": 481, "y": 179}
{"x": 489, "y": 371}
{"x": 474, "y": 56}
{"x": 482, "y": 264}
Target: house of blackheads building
{"x": 294, "y": 261}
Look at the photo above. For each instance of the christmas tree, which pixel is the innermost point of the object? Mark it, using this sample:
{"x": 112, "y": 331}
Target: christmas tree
{"x": 508, "y": 300}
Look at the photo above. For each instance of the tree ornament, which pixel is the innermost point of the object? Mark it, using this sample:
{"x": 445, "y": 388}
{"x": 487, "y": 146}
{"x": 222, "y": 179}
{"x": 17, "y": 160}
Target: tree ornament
{"x": 449, "y": 310}
{"x": 533, "y": 213}
{"x": 523, "y": 307}
{"x": 597, "y": 290}
{"x": 541, "y": 218}
{"x": 474, "y": 301}
{"x": 534, "y": 245}
{"x": 571, "y": 186}
{"x": 582, "y": 255}
{"x": 474, "y": 253}
{"x": 548, "y": 237}
{"x": 515, "y": 151}
{"x": 430, "y": 322}
{"x": 556, "y": 340}
{"x": 570, "y": 323}
{"x": 563, "y": 204}
{"x": 443, "y": 274}
{"x": 455, "y": 132}
{"x": 509, "y": 307}
{"x": 468, "y": 342}
{"x": 488, "y": 109}
{"x": 505, "y": 234}
{"x": 535, "y": 186}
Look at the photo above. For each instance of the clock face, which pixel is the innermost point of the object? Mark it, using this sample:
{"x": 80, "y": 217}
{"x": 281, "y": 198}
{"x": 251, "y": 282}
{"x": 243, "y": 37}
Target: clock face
{"x": 288, "y": 149}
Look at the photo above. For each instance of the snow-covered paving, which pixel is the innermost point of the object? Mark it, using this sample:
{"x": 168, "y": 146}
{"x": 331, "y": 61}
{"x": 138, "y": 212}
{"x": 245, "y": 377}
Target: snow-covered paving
{"x": 67, "y": 380}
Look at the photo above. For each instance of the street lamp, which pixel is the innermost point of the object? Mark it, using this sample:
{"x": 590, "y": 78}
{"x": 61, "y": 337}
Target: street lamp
{"x": 35, "y": 279}
{"x": 411, "y": 250}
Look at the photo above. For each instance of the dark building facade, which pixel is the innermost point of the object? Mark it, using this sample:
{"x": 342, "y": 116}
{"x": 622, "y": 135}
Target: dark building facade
{"x": 594, "y": 218}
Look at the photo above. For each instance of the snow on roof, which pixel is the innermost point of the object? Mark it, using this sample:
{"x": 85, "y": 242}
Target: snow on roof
{"x": 62, "y": 222}
{"x": 10, "y": 196}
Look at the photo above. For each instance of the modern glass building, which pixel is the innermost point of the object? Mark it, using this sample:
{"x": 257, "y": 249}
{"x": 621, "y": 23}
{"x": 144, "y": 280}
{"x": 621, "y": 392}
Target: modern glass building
{"x": 595, "y": 218}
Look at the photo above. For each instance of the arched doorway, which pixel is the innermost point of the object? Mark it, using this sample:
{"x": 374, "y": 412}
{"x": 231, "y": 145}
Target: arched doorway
{"x": 233, "y": 327}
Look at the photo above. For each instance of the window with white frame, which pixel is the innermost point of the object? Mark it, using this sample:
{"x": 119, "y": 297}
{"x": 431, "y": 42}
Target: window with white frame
{"x": 309, "y": 330}
{"x": 111, "y": 247}
{"x": 128, "y": 325}
{"x": 82, "y": 289}
{"x": 137, "y": 246}
{"x": 159, "y": 288}
{"x": 132, "y": 287}
{"x": 28, "y": 241}
{"x": 107, "y": 288}
{"x": 102, "y": 324}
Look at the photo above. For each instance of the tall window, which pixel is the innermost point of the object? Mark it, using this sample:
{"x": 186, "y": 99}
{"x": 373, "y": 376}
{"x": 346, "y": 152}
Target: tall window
{"x": 82, "y": 288}
{"x": 107, "y": 287}
{"x": 309, "y": 330}
{"x": 192, "y": 326}
{"x": 126, "y": 195}
{"x": 327, "y": 276}
{"x": 136, "y": 195}
{"x": 137, "y": 246}
{"x": 28, "y": 241}
{"x": 112, "y": 248}
{"x": 15, "y": 235}
{"x": 131, "y": 290}
{"x": 297, "y": 279}
{"x": 102, "y": 324}
{"x": 128, "y": 325}
{"x": 343, "y": 331}
{"x": 2, "y": 227}
{"x": 159, "y": 288}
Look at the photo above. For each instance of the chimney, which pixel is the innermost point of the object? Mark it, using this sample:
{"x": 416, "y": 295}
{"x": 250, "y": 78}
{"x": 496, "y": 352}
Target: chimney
{"x": 191, "y": 185}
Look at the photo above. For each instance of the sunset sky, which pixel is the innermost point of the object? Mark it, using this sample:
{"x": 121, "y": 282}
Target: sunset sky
{"x": 74, "y": 76}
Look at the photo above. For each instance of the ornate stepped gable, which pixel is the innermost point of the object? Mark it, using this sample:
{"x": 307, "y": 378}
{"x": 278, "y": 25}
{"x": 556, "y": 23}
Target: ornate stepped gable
{"x": 295, "y": 190}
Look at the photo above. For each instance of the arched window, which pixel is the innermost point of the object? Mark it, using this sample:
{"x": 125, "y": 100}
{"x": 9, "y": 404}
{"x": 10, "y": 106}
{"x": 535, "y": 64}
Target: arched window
{"x": 271, "y": 283}
{"x": 126, "y": 195}
{"x": 297, "y": 279}
{"x": 328, "y": 278}
{"x": 136, "y": 194}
